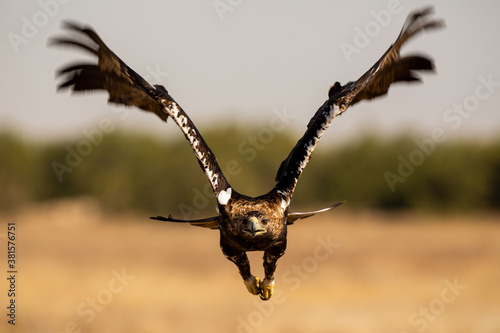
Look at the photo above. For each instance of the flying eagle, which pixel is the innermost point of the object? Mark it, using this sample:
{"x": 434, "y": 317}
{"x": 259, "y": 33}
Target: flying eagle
{"x": 245, "y": 223}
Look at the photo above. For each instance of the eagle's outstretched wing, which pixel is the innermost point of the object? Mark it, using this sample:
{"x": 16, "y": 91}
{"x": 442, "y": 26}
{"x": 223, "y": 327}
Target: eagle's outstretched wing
{"x": 209, "y": 222}
{"x": 390, "y": 68}
{"x": 127, "y": 87}
{"x": 294, "y": 216}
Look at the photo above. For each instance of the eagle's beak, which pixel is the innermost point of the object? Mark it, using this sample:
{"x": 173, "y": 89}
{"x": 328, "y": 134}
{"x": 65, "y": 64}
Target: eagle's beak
{"x": 254, "y": 227}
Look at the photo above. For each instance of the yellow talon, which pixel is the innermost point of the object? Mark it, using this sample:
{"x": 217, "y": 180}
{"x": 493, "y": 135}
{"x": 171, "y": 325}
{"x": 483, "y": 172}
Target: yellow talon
{"x": 266, "y": 289}
{"x": 252, "y": 285}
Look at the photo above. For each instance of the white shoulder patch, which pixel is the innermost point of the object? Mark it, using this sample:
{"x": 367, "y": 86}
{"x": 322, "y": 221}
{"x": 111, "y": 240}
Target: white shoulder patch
{"x": 336, "y": 110}
{"x": 284, "y": 204}
{"x": 224, "y": 196}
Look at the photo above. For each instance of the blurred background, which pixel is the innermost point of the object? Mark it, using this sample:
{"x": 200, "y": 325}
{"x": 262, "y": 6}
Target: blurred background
{"x": 415, "y": 249}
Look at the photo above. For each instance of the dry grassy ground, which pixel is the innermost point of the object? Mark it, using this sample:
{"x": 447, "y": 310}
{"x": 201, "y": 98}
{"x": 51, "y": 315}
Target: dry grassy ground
{"x": 81, "y": 271}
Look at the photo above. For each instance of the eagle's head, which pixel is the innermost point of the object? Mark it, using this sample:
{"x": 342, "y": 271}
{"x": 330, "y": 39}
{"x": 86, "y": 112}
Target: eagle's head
{"x": 254, "y": 224}
{"x": 257, "y": 229}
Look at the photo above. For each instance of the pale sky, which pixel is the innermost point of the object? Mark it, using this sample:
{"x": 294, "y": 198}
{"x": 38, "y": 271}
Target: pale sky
{"x": 238, "y": 65}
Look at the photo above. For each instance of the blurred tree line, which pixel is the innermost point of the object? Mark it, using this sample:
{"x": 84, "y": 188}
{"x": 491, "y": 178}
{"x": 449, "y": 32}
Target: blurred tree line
{"x": 137, "y": 172}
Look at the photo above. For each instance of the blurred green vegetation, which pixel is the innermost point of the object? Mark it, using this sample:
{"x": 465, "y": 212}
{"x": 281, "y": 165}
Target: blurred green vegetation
{"x": 136, "y": 172}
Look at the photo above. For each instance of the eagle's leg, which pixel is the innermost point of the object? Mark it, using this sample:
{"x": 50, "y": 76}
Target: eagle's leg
{"x": 241, "y": 260}
{"x": 266, "y": 286}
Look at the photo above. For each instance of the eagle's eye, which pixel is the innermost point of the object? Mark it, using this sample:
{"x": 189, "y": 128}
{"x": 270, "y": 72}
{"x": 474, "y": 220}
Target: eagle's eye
{"x": 264, "y": 221}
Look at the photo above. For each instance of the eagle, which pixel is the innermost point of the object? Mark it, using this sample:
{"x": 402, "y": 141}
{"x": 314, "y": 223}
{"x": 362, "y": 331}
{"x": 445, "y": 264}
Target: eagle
{"x": 245, "y": 223}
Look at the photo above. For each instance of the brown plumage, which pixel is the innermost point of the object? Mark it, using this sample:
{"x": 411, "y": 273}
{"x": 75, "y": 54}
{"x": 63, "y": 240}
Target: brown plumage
{"x": 245, "y": 223}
